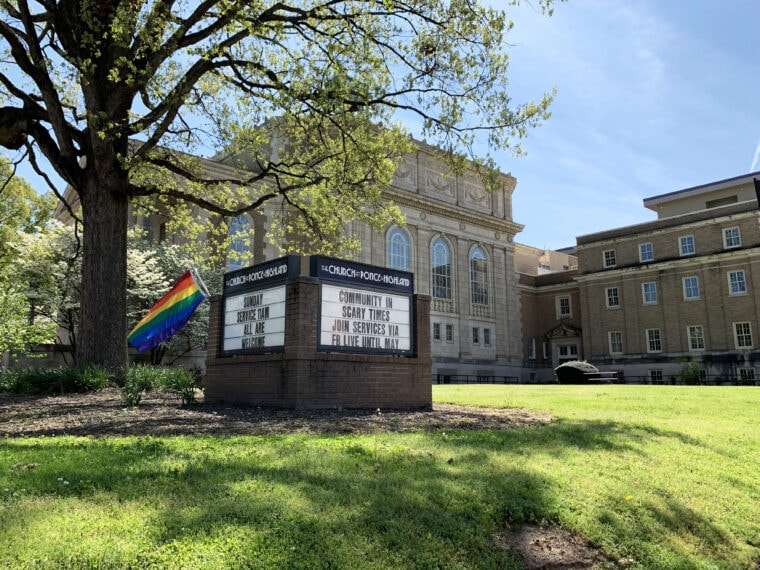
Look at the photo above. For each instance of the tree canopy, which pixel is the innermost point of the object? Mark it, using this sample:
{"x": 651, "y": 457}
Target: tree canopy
{"x": 121, "y": 97}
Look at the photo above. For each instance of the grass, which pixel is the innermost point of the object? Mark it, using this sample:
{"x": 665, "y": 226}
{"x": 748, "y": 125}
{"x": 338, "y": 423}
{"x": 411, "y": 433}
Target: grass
{"x": 663, "y": 477}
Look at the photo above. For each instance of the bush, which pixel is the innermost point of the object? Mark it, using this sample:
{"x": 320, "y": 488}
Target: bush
{"x": 144, "y": 378}
{"x": 65, "y": 380}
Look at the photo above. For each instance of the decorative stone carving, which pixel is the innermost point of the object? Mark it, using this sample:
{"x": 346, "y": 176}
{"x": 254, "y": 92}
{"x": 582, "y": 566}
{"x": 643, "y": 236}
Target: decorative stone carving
{"x": 439, "y": 183}
{"x": 406, "y": 175}
{"x": 476, "y": 194}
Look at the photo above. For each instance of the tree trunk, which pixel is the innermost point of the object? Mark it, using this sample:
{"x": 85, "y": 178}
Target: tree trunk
{"x": 102, "y": 339}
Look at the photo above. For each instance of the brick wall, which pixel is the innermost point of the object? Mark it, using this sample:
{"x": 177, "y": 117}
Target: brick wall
{"x": 300, "y": 377}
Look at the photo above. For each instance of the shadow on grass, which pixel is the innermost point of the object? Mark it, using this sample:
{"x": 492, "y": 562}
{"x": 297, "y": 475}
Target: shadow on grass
{"x": 401, "y": 501}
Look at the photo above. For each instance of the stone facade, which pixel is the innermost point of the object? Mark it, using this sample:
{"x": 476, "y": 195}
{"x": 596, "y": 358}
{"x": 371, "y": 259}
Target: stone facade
{"x": 438, "y": 204}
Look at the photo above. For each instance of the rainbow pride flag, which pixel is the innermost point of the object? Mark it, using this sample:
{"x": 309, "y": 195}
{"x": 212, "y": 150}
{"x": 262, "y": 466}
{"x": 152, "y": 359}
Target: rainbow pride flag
{"x": 169, "y": 315}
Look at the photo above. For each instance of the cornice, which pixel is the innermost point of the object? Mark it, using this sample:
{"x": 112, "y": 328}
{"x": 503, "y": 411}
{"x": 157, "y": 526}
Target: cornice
{"x": 453, "y": 211}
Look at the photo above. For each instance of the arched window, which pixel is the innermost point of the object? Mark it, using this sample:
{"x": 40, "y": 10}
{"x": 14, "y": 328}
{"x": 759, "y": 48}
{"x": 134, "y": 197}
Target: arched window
{"x": 239, "y": 252}
{"x": 441, "y": 269}
{"x": 398, "y": 249}
{"x": 478, "y": 277}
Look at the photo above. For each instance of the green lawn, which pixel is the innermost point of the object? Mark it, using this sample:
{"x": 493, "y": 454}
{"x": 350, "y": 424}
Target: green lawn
{"x": 668, "y": 477}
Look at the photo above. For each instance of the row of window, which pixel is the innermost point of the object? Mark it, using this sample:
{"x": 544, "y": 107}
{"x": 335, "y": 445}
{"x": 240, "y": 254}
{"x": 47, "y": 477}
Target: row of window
{"x": 695, "y": 335}
{"x": 736, "y": 280}
{"x": 479, "y": 335}
{"x": 737, "y": 285}
{"x": 686, "y": 246}
{"x": 745, "y": 375}
{"x": 399, "y": 257}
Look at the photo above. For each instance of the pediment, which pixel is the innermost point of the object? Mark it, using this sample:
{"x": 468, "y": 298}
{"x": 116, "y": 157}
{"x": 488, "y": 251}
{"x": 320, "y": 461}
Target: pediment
{"x": 564, "y": 331}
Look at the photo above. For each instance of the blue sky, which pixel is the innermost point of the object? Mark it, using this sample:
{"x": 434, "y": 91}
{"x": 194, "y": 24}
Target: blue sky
{"x": 653, "y": 96}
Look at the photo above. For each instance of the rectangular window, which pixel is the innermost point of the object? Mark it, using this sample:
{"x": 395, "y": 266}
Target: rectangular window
{"x": 654, "y": 341}
{"x": 613, "y": 299}
{"x": 646, "y": 252}
{"x": 545, "y": 350}
{"x": 616, "y": 342}
{"x": 746, "y": 375}
{"x": 743, "y": 335}
{"x": 736, "y": 283}
{"x": 649, "y": 293}
{"x": 475, "y": 335}
{"x": 567, "y": 352}
{"x": 487, "y": 337}
{"x": 696, "y": 336}
{"x": 436, "y": 331}
{"x": 609, "y": 258}
{"x": 690, "y": 288}
{"x": 731, "y": 238}
{"x": 449, "y": 333}
{"x": 532, "y": 349}
{"x": 686, "y": 244}
{"x": 562, "y": 305}
{"x": 655, "y": 376}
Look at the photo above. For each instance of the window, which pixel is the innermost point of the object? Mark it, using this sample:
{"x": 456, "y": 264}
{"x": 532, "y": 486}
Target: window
{"x": 398, "y": 249}
{"x": 655, "y": 376}
{"x": 441, "y": 269}
{"x": 690, "y": 288}
{"x": 567, "y": 352}
{"x": 239, "y": 252}
{"x": 545, "y": 350}
{"x": 609, "y": 258}
{"x": 646, "y": 252}
{"x": 649, "y": 293}
{"x": 743, "y": 335}
{"x": 686, "y": 244}
{"x": 562, "y": 305}
{"x": 475, "y": 335}
{"x": 478, "y": 277}
{"x": 616, "y": 342}
{"x": 449, "y": 333}
{"x": 731, "y": 238}
{"x": 736, "y": 283}
{"x": 487, "y": 337}
{"x": 436, "y": 331}
{"x": 532, "y": 349}
{"x": 746, "y": 375}
{"x": 613, "y": 299}
{"x": 654, "y": 341}
{"x": 696, "y": 336}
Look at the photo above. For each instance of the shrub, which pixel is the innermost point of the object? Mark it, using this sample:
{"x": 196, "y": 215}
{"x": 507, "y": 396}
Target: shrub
{"x": 64, "y": 380}
{"x": 144, "y": 378}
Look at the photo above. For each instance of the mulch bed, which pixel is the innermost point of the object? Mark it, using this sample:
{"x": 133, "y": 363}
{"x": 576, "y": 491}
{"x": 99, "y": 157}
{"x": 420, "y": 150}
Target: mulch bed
{"x": 103, "y": 413}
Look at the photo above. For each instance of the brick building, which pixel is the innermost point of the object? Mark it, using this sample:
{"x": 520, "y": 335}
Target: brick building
{"x": 661, "y": 298}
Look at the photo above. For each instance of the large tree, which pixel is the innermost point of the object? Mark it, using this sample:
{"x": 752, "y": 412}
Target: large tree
{"x": 116, "y": 96}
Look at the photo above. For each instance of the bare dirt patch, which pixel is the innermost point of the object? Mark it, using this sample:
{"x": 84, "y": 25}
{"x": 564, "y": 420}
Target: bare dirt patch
{"x": 553, "y": 549}
{"x": 104, "y": 414}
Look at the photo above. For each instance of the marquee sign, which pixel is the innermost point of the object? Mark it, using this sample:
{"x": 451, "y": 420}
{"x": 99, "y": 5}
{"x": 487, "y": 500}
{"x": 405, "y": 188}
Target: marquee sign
{"x": 254, "y": 307}
{"x": 364, "y": 308}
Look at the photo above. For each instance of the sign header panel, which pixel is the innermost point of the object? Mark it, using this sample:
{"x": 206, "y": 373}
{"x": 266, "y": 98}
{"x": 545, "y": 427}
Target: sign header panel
{"x": 361, "y": 274}
{"x": 261, "y": 274}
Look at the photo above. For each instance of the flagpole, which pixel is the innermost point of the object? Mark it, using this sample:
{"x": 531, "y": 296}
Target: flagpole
{"x": 201, "y": 285}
